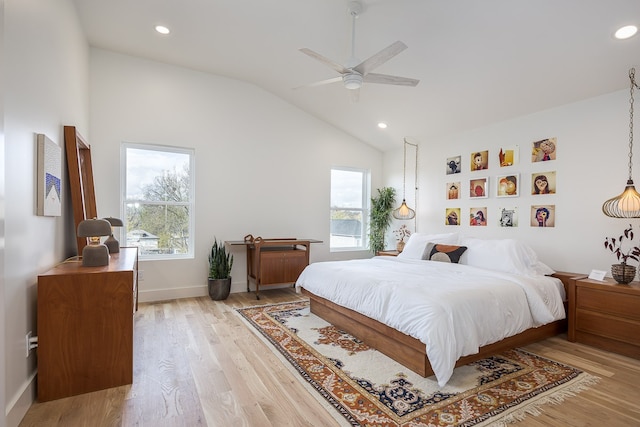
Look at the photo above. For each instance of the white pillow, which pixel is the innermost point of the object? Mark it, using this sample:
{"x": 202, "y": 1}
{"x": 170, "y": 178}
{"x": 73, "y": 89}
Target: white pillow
{"x": 507, "y": 255}
{"x": 414, "y": 248}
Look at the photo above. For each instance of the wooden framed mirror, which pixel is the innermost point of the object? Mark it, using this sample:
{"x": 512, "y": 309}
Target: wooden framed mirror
{"x": 83, "y": 197}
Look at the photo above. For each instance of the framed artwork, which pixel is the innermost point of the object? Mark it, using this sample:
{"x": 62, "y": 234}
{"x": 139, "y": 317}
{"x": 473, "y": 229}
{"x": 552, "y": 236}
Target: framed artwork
{"x": 543, "y": 183}
{"x": 453, "y": 190}
{"x": 543, "y": 215}
{"x": 452, "y": 216}
{"x": 478, "y": 217}
{"x": 508, "y": 217}
{"x": 49, "y": 186}
{"x": 479, "y": 187}
{"x": 453, "y": 165}
{"x": 544, "y": 150}
{"x": 508, "y": 185}
{"x": 479, "y": 160}
{"x": 508, "y": 156}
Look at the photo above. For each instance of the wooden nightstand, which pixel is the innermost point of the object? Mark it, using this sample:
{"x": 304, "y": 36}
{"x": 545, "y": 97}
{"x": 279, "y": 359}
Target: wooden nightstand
{"x": 605, "y": 315}
{"x": 387, "y": 253}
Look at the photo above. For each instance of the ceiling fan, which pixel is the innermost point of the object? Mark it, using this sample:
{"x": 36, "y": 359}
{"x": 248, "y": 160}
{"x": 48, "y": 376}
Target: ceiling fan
{"x": 354, "y": 73}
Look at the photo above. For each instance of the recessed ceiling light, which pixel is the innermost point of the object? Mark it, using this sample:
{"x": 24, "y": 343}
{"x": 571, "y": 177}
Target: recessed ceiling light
{"x": 162, "y": 29}
{"x": 382, "y": 125}
{"x": 626, "y": 32}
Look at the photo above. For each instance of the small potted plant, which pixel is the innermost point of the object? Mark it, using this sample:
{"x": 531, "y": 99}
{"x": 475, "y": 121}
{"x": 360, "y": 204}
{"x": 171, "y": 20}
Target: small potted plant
{"x": 220, "y": 263}
{"x": 623, "y": 272}
{"x": 401, "y": 233}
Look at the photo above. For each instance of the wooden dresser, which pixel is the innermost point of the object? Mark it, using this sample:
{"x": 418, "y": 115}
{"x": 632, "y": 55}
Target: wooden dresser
{"x": 85, "y": 326}
{"x": 605, "y": 315}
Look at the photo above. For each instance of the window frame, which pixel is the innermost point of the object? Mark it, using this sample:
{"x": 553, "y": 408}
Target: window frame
{"x": 366, "y": 200}
{"x": 190, "y": 204}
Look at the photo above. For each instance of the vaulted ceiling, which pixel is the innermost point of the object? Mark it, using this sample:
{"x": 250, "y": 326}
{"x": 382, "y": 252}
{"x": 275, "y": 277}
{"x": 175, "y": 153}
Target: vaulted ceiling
{"x": 478, "y": 61}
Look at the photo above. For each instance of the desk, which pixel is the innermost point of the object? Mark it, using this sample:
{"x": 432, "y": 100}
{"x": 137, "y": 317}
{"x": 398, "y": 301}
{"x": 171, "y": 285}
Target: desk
{"x": 274, "y": 261}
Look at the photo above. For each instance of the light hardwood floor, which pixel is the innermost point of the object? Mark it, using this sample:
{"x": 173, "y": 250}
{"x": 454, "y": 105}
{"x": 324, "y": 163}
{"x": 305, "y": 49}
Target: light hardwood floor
{"x": 197, "y": 364}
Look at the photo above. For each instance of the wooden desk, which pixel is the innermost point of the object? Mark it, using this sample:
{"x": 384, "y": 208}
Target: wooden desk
{"x": 274, "y": 261}
{"x": 85, "y": 326}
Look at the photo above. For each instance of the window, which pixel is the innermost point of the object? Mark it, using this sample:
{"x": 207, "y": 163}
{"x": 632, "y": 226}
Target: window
{"x": 158, "y": 200}
{"x": 349, "y": 209}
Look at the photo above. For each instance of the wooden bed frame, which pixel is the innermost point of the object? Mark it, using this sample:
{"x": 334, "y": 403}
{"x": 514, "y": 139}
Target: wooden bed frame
{"x": 409, "y": 351}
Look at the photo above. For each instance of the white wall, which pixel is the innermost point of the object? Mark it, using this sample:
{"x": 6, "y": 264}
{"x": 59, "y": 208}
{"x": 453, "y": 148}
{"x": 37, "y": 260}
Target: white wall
{"x": 592, "y": 149}
{"x": 45, "y": 62}
{"x": 262, "y": 165}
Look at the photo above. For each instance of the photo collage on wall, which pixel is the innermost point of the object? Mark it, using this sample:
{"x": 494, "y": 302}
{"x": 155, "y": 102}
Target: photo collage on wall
{"x": 510, "y": 183}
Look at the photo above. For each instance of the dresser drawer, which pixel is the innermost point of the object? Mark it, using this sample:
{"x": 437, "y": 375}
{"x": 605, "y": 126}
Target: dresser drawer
{"x": 608, "y": 326}
{"x": 605, "y": 301}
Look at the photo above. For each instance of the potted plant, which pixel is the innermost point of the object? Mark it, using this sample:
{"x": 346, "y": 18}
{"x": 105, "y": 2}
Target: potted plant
{"x": 220, "y": 263}
{"x": 623, "y": 272}
{"x": 380, "y": 217}
{"x": 401, "y": 233}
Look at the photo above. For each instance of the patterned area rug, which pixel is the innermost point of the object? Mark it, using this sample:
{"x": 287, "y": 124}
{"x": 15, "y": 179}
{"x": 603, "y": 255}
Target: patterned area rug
{"x": 369, "y": 389}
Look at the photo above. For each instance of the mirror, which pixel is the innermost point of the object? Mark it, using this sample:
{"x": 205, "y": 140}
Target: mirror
{"x": 83, "y": 196}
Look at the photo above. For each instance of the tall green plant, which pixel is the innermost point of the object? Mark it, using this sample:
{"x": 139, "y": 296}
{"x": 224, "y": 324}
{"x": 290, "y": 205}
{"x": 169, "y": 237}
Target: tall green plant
{"x": 220, "y": 262}
{"x": 380, "y": 217}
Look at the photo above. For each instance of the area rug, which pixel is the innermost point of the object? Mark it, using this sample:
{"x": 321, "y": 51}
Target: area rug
{"x": 366, "y": 388}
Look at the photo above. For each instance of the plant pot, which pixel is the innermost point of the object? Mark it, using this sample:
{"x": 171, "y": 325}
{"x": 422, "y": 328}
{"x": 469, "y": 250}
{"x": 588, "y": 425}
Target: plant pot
{"x": 400, "y": 246}
{"x": 219, "y": 288}
{"x": 623, "y": 273}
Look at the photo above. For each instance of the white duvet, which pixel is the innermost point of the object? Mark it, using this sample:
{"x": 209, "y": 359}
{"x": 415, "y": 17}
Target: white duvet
{"x": 452, "y": 308}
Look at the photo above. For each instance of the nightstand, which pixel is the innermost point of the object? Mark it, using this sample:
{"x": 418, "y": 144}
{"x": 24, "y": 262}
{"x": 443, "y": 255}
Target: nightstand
{"x": 387, "y": 253}
{"x": 605, "y": 315}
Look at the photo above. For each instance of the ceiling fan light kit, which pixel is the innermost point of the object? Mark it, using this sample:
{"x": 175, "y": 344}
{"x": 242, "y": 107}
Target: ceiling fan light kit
{"x": 355, "y": 72}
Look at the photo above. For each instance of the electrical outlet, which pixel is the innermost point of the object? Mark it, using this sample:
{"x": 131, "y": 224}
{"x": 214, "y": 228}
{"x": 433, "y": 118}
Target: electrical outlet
{"x": 28, "y": 343}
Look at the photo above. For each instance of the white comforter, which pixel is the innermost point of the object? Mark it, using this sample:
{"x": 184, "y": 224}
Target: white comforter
{"x": 454, "y": 309}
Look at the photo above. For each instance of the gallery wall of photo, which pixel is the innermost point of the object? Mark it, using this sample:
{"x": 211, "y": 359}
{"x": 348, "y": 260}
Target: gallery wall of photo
{"x": 507, "y": 175}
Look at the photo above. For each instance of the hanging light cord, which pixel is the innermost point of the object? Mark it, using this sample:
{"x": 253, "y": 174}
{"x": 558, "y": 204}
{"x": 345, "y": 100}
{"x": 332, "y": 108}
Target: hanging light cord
{"x": 632, "y": 77}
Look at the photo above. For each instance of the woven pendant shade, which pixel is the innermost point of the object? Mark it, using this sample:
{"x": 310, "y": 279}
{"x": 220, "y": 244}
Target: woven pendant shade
{"x": 404, "y": 212}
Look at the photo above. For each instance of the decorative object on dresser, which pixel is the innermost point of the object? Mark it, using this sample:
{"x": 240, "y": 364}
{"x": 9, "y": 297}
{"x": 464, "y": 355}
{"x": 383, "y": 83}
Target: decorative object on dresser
{"x": 380, "y": 217}
{"x": 623, "y": 272}
{"x": 626, "y": 204}
{"x": 95, "y": 254}
{"x": 111, "y": 242}
{"x": 404, "y": 212}
{"x": 605, "y": 314}
{"x": 85, "y": 326}
{"x": 274, "y": 261}
{"x": 220, "y": 263}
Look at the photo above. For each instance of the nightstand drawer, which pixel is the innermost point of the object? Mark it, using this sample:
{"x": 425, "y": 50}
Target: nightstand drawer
{"x": 608, "y": 326}
{"x": 606, "y": 301}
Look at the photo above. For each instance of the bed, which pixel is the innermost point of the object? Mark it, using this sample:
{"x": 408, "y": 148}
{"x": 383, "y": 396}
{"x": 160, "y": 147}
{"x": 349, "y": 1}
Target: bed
{"x": 431, "y": 316}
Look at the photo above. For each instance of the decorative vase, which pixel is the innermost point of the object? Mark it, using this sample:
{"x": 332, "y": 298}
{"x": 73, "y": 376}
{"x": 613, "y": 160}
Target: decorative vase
{"x": 219, "y": 288}
{"x": 400, "y": 246}
{"x": 623, "y": 273}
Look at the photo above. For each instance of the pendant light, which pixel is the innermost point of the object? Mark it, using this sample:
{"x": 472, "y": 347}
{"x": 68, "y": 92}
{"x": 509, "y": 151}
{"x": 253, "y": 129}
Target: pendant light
{"x": 404, "y": 212}
{"x": 627, "y": 204}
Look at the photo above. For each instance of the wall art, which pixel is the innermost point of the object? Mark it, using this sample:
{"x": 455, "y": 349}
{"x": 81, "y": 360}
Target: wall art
{"x": 508, "y": 217}
{"x": 508, "y": 185}
{"x": 508, "y": 156}
{"x": 453, "y": 190}
{"x": 544, "y": 150}
{"x": 543, "y": 183}
{"x": 49, "y": 201}
{"x": 452, "y": 216}
{"x": 479, "y": 160}
{"x": 479, "y": 187}
{"x": 478, "y": 217}
{"x": 543, "y": 215}
{"x": 453, "y": 165}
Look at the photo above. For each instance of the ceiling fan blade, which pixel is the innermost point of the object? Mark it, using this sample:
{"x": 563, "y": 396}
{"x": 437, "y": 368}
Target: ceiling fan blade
{"x": 380, "y": 58}
{"x": 321, "y": 82}
{"x": 339, "y": 68}
{"x": 390, "y": 80}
